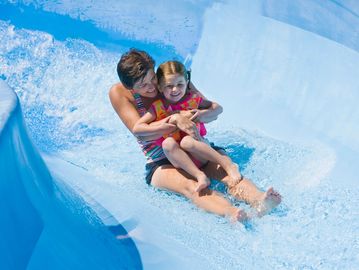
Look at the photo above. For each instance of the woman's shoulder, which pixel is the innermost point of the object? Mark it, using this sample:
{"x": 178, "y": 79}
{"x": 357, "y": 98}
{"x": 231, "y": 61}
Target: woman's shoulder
{"x": 119, "y": 92}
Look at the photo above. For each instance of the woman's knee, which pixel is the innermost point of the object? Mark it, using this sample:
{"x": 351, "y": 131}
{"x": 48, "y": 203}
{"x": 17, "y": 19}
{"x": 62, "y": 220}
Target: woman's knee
{"x": 167, "y": 177}
{"x": 169, "y": 144}
{"x": 187, "y": 143}
{"x": 189, "y": 189}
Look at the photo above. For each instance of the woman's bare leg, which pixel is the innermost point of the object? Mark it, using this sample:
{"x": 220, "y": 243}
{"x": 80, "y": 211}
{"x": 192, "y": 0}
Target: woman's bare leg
{"x": 202, "y": 151}
{"x": 180, "y": 159}
{"x": 169, "y": 178}
{"x": 245, "y": 189}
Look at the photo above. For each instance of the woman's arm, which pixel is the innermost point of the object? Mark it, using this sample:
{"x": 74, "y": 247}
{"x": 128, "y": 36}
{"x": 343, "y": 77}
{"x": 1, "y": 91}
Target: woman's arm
{"x": 146, "y": 126}
{"x": 208, "y": 111}
{"x": 126, "y": 110}
{"x": 207, "y": 114}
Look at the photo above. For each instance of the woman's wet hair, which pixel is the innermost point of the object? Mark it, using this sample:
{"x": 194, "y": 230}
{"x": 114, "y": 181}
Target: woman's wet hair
{"x": 171, "y": 68}
{"x": 133, "y": 66}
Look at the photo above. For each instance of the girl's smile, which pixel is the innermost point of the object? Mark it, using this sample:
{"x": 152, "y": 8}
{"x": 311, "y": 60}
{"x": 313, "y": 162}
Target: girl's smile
{"x": 173, "y": 87}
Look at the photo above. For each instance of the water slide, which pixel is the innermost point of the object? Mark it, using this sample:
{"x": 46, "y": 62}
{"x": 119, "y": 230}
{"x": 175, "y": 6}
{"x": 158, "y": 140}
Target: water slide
{"x": 71, "y": 175}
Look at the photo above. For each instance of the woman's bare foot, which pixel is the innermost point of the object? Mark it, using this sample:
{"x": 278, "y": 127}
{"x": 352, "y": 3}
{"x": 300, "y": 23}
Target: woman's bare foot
{"x": 237, "y": 214}
{"x": 203, "y": 182}
{"x": 270, "y": 199}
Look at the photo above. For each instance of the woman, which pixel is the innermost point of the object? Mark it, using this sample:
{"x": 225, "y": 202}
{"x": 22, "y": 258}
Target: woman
{"x": 132, "y": 98}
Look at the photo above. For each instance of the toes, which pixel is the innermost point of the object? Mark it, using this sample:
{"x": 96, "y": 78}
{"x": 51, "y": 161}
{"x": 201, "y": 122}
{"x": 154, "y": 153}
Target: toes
{"x": 276, "y": 196}
{"x": 272, "y": 194}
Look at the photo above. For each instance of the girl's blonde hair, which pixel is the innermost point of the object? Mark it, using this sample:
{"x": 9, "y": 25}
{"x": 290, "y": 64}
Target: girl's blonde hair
{"x": 170, "y": 68}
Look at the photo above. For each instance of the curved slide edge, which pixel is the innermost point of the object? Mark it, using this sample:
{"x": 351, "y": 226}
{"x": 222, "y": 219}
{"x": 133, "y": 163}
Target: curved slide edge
{"x": 44, "y": 223}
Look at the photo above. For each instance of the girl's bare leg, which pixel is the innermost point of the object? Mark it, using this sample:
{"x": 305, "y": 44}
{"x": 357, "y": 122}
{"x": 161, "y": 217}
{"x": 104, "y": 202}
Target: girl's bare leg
{"x": 180, "y": 159}
{"x": 202, "y": 151}
{"x": 169, "y": 178}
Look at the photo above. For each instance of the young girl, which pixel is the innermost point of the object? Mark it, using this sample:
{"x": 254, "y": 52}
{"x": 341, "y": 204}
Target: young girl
{"x": 182, "y": 150}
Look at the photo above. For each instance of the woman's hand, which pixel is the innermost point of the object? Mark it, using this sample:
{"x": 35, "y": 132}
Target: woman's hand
{"x": 165, "y": 127}
{"x": 185, "y": 124}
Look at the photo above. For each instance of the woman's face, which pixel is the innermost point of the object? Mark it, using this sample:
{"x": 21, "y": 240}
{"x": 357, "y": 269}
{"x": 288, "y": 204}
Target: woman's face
{"x": 147, "y": 87}
{"x": 173, "y": 87}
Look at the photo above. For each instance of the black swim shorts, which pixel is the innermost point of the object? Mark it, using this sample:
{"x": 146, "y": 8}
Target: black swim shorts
{"x": 152, "y": 166}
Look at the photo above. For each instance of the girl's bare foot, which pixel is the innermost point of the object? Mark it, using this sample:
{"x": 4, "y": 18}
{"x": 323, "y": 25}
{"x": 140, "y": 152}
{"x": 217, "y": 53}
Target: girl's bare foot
{"x": 203, "y": 182}
{"x": 233, "y": 172}
{"x": 269, "y": 200}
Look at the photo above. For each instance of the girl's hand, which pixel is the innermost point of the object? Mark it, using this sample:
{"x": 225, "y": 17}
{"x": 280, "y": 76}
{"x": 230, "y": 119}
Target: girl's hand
{"x": 188, "y": 113}
{"x": 191, "y": 114}
{"x": 195, "y": 115}
{"x": 185, "y": 124}
{"x": 167, "y": 127}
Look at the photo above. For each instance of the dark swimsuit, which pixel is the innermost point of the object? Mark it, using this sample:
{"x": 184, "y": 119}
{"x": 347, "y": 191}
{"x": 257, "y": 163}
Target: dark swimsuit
{"x": 152, "y": 166}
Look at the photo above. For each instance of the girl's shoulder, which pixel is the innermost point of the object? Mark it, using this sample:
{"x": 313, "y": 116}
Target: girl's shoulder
{"x": 194, "y": 91}
{"x": 193, "y": 95}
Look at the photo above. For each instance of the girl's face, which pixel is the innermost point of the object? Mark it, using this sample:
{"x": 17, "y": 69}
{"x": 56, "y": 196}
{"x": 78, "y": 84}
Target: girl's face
{"x": 173, "y": 87}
